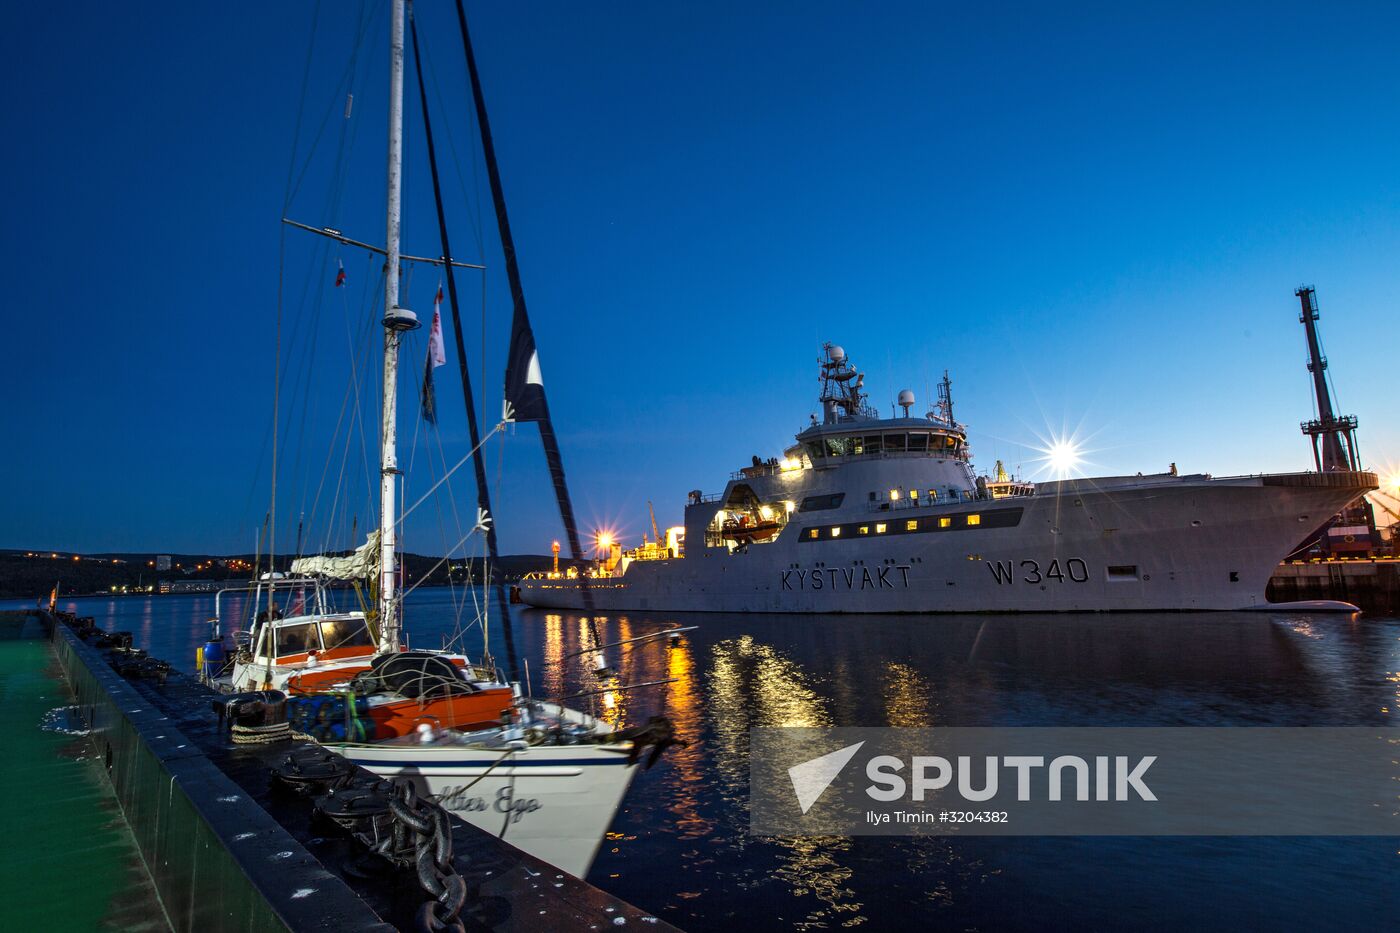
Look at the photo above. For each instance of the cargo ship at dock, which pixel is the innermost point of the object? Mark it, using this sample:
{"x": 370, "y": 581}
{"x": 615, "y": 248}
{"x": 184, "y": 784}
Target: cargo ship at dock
{"x": 867, "y": 514}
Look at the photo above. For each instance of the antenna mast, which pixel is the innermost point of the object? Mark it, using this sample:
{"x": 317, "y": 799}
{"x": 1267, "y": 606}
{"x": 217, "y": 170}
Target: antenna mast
{"x": 842, "y": 397}
{"x": 945, "y": 400}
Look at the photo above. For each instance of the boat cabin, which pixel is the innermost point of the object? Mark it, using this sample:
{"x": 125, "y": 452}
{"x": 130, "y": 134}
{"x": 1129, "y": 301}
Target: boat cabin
{"x": 291, "y": 619}
{"x": 332, "y": 637}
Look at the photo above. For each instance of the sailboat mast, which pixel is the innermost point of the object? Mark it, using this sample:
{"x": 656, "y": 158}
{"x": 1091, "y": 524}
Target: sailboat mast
{"x": 521, "y": 317}
{"x": 396, "y": 320}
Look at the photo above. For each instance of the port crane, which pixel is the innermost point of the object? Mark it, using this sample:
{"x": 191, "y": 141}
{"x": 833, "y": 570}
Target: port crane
{"x": 655, "y": 529}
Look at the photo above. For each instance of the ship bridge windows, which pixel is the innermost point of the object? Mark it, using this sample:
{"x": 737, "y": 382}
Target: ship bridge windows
{"x": 853, "y": 445}
{"x": 840, "y": 446}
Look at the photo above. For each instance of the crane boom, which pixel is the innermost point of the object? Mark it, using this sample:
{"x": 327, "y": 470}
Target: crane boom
{"x": 655, "y": 529}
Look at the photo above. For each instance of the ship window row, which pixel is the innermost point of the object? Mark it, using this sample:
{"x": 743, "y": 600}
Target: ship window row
{"x": 998, "y": 518}
{"x": 914, "y": 496}
{"x": 860, "y": 445}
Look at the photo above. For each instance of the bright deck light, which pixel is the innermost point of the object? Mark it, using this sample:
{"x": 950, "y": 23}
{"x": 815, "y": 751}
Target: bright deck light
{"x": 1063, "y": 457}
{"x": 1062, "y": 454}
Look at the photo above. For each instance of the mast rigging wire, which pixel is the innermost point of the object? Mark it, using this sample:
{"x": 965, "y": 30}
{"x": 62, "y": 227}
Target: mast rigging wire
{"x": 548, "y": 440}
{"x": 483, "y": 492}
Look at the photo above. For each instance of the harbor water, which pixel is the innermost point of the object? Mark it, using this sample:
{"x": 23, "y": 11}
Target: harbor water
{"x": 70, "y": 862}
{"x": 680, "y": 845}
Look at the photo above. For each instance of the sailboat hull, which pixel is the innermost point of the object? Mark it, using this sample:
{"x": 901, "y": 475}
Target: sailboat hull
{"x": 554, "y": 802}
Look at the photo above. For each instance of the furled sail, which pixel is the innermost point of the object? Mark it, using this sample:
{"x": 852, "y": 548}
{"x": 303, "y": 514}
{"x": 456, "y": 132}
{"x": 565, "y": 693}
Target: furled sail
{"x": 363, "y": 563}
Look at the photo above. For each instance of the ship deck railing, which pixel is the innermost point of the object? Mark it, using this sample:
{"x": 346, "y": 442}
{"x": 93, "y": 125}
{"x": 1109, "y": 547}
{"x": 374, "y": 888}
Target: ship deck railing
{"x": 761, "y": 469}
{"x": 777, "y": 469}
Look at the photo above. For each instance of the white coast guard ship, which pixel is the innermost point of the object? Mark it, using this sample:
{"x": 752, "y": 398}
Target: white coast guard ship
{"x": 870, "y": 514}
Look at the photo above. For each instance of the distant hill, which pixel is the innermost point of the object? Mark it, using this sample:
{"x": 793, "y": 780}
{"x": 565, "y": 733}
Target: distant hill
{"x": 32, "y": 574}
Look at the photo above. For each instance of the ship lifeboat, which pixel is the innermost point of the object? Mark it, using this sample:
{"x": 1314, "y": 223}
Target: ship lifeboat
{"x": 743, "y": 530}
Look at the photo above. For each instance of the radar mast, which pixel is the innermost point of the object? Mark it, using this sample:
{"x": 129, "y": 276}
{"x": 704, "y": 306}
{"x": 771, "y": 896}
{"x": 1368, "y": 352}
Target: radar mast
{"x": 841, "y": 395}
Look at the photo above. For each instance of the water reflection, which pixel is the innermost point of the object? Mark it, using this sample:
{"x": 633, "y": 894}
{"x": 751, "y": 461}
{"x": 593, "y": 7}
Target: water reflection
{"x": 681, "y": 846}
{"x": 908, "y": 701}
{"x": 682, "y": 703}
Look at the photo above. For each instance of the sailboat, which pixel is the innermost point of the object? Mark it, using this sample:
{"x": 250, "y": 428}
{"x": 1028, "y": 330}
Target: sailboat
{"x": 545, "y": 777}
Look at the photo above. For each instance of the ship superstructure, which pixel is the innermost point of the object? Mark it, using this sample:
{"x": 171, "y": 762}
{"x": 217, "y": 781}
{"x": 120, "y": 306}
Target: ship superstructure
{"x": 864, "y": 513}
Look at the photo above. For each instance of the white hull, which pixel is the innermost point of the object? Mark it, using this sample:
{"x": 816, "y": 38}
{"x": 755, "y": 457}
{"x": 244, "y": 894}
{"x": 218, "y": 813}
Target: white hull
{"x": 1112, "y": 544}
{"x": 554, "y": 802}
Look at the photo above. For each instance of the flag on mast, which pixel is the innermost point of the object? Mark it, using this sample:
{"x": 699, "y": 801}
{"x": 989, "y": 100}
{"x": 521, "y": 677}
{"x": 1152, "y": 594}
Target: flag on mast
{"x": 340, "y": 274}
{"x": 524, "y": 384}
{"x": 437, "y": 356}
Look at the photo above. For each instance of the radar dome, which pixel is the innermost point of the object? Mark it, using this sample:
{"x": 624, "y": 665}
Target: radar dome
{"x": 906, "y": 398}
{"x": 838, "y": 354}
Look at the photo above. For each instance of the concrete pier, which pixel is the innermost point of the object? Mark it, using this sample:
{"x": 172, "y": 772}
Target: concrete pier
{"x": 1374, "y": 585}
{"x": 227, "y": 853}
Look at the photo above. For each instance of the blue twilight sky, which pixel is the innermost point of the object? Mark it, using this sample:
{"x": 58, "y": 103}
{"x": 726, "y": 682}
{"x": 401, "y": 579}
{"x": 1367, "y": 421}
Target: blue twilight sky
{"x": 1094, "y": 215}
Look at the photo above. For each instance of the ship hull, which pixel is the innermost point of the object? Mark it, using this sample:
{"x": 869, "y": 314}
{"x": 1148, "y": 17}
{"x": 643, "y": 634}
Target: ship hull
{"x": 1078, "y": 546}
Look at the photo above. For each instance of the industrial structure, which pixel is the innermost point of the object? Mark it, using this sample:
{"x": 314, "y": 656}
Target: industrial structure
{"x": 1351, "y": 532}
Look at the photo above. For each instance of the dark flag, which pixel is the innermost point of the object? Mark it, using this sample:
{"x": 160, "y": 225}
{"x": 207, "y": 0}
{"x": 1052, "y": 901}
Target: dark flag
{"x": 437, "y": 355}
{"x": 524, "y": 384}
{"x": 340, "y": 274}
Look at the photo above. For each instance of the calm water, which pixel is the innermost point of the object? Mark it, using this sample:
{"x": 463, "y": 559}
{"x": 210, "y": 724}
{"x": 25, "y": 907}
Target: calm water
{"x": 680, "y": 846}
